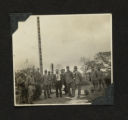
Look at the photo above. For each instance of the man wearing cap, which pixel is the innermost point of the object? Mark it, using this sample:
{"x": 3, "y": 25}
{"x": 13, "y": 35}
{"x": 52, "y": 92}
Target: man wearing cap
{"x": 93, "y": 77}
{"x": 31, "y": 88}
{"x": 20, "y": 86}
{"x": 77, "y": 79}
{"x": 69, "y": 80}
{"x": 46, "y": 85}
{"x": 63, "y": 80}
{"x": 49, "y": 82}
{"x": 100, "y": 79}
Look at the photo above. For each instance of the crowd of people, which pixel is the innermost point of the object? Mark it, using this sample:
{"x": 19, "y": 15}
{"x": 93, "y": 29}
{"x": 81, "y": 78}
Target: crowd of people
{"x": 32, "y": 84}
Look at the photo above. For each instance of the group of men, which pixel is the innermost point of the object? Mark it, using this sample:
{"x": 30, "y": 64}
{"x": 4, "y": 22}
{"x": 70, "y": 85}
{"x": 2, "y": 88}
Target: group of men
{"x": 70, "y": 81}
{"x": 28, "y": 86}
{"x": 48, "y": 81}
{"x": 97, "y": 79}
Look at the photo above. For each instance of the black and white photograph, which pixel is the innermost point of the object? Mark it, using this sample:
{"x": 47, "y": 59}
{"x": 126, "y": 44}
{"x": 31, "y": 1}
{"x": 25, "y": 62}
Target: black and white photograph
{"x": 63, "y": 60}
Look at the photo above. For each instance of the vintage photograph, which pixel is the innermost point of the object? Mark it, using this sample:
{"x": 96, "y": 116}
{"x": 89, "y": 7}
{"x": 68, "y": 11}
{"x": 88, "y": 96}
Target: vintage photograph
{"x": 63, "y": 60}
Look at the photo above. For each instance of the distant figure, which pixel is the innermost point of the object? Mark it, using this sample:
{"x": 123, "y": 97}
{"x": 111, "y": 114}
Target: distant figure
{"x": 31, "y": 88}
{"x": 20, "y": 87}
{"x": 63, "y": 80}
{"x": 58, "y": 84}
{"x": 69, "y": 80}
{"x": 78, "y": 79}
{"x": 37, "y": 78}
{"x": 94, "y": 80}
{"x": 107, "y": 78}
{"x": 100, "y": 79}
{"x": 53, "y": 77}
{"x": 46, "y": 85}
{"x": 49, "y": 82}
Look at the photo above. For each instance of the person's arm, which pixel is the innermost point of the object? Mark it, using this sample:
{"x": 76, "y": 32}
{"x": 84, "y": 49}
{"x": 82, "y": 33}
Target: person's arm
{"x": 72, "y": 75}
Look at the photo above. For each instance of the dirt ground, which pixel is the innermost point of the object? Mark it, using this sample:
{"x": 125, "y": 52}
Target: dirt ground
{"x": 65, "y": 100}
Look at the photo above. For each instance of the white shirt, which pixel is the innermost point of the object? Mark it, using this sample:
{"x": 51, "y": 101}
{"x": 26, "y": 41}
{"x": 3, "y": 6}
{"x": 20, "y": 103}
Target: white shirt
{"x": 58, "y": 77}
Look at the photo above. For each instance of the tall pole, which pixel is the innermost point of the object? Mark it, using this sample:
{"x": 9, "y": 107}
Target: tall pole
{"x": 39, "y": 45}
{"x": 52, "y": 68}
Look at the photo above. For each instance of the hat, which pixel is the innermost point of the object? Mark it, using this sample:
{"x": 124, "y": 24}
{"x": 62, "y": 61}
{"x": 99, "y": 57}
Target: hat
{"x": 67, "y": 66}
{"x": 75, "y": 67}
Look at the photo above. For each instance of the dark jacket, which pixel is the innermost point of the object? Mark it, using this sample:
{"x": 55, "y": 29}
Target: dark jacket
{"x": 68, "y": 77}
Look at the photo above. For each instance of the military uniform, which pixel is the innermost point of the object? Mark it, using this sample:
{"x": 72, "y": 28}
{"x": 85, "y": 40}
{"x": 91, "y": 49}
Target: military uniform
{"x": 38, "y": 91}
{"x": 100, "y": 80}
{"x": 77, "y": 79}
{"x": 31, "y": 88}
{"x": 20, "y": 85}
{"x": 53, "y": 77}
{"x": 69, "y": 81}
{"x": 64, "y": 82}
{"x": 94, "y": 80}
{"x": 50, "y": 83}
{"x": 46, "y": 86}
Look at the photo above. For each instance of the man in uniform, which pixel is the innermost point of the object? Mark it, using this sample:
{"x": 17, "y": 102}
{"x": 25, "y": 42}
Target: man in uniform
{"x": 49, "y": 82}
{"x": 31, "y": 87}
{"x": 63, "y": 80}
{"x": 46, "y": 85}
{"x": 77, "y": 79}
{"x": 20, "y": 87}
{"x": 94, "y": 80}
{"x": 100, "y": 79}
{"x": 69, "y": 80}
{"x": 53, "y": 77}
{"x": 37, "y": 77}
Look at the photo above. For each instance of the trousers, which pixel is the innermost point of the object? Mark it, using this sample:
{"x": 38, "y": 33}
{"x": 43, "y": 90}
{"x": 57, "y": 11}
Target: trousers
{"x": 46, "y": 91}
{"x": 58, "y": 89}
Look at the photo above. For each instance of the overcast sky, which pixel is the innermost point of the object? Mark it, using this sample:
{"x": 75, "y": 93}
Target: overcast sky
{"x": 65, "y": 38}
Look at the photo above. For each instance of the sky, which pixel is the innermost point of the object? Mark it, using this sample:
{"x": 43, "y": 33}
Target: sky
{"x": 65, "y": 38}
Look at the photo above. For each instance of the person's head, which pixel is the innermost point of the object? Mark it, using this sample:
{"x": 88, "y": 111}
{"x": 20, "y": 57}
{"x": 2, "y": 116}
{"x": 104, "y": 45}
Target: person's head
{"x": 57, "y": 71}
{"x": 75, "y": 68}
{"x": 67, "y": 68}
{"x": 62, "y": 71}
{"x": 48, "y": 72}
{"x": 45, "y": 71}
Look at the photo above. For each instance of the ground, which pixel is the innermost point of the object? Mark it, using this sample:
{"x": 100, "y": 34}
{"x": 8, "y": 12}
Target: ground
{"x": 64, "y": 100}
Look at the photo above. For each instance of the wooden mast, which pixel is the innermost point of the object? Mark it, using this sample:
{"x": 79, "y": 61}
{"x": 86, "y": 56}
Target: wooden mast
{"x": 39, "y": 46}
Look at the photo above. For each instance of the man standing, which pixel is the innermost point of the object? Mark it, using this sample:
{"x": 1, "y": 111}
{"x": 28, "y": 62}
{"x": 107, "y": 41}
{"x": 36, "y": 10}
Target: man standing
{"x": 69, "y": 80}
{"x": 37, "y": 77}
{"x": 100, "y": 79}
{"x": 63, "y": 80}
{"x": 46, "y": 85}
{"x": 58, "y": 84}
{"x": 53, "y": 77}
{"x": 31, "y": 88}
{"x": 78, "y": 79}
{"x": 49, "y": 82}
{"x": 20, "y": 87}
{"x": 94, "y": 80}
